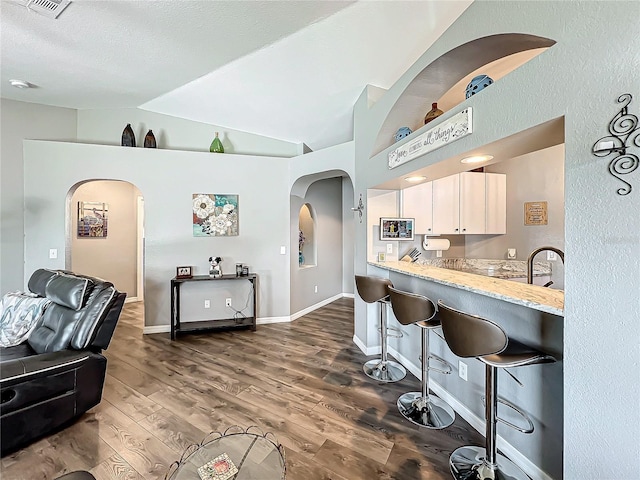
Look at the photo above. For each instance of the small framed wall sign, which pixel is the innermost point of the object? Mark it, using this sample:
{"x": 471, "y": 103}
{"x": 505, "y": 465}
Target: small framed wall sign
{"x": 184, "y": 272}
{"x": 535, "y": 213}
{"x": 382, "y": 256}
{"x": 396, "y": 228}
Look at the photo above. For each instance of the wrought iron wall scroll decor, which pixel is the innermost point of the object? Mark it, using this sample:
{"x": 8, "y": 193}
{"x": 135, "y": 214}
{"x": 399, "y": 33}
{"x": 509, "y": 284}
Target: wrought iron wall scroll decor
{"x": 359, "y": 208}
{"x": 625, "y": 133}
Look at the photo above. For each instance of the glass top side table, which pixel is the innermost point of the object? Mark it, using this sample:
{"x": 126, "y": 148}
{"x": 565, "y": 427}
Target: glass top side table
{"x": 256, "y": 455}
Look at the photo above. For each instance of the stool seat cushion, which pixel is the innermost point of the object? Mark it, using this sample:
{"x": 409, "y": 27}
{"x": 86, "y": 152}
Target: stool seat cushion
{"x": 372, "y": 289}
{"x": 516, "y": 355}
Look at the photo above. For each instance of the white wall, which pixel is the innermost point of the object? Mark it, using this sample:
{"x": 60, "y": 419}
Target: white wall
{"x": 105, "y": 127}
{"x": 167, "y": 180}
{"x": 113, "y": 257}
{"x": 580, "y": 80}
{"x": 20, "y": 120}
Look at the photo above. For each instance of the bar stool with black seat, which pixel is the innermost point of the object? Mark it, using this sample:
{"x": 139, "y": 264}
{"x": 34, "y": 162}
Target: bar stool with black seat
{"x": 375, "y": 289}
{"x": 472, "y": 336}
{"x": 421, "y": 408}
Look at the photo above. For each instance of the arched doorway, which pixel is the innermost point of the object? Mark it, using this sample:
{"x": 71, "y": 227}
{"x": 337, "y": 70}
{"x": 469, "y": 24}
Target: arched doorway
{"x": 105, "y": 234}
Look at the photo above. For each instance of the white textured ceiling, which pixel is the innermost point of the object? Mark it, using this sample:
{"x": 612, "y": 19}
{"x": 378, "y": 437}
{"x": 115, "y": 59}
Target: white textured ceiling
{"x": 291, "y": 70}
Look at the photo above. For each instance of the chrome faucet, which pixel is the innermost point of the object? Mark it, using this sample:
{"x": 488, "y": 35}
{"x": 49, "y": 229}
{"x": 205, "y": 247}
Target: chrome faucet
{"x": 533, "y": 254}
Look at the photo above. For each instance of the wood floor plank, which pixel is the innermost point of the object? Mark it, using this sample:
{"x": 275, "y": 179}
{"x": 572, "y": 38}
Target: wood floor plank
{"x": 115, "y": 468}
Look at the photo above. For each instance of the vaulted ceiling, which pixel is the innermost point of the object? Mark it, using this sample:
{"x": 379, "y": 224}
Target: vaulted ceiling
{"x": 290, "y": 70}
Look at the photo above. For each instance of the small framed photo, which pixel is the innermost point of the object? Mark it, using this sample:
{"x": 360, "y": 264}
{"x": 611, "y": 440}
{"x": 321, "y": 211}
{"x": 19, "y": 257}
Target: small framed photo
{"x": 396, "y": 228}
{"x": 184, "y": 272}
{"x": 382, "y": 256}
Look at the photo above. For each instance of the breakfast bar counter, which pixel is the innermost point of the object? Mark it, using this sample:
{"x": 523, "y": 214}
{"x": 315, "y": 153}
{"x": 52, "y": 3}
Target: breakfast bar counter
{"x": 531, "y": 296}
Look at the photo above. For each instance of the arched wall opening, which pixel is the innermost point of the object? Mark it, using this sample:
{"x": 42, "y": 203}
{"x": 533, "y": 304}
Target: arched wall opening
{"x": 307, "y": 248}
{"x": 444, "y": 80}
{"x": 104, "y": 233}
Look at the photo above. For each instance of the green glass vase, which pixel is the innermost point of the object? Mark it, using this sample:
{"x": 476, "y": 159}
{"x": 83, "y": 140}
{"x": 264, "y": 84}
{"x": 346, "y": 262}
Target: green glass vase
{"x": 216, "y": 145}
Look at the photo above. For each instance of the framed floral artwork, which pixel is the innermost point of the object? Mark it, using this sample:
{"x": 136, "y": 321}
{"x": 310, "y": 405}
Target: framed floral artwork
{"x": 92, "y": 219}
{"x": 215, "y": 215}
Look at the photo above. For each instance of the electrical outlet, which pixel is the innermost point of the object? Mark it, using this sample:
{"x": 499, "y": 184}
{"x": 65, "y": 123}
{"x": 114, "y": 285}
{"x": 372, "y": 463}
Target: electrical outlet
{"x": 283, "y": 250}
{"x": 53, "y": 253}
{"x": 511, "y": 253}
{"x": 389, "y": 247}
{"x": 315, "y": 289}
{"x": 227, "y": 302}
{"x": 438, "y": 253}
{"x": 462, "y": 370}
{"x": 551, "y": 256}
{"x": 207, "y": 304}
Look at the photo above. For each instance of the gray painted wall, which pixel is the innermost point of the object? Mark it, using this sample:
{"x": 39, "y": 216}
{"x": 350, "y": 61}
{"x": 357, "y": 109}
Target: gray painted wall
{"x": 105, "y": 127}
{"x": 20, "y": 120}
{"x": 325, "y": 197}
{"x": 349, "y": 217}
{"x": 167, "y": 180}
{"x": 575, "y": 78}
{"x": 537, "y": 176}
{"x": 113, "y": 257}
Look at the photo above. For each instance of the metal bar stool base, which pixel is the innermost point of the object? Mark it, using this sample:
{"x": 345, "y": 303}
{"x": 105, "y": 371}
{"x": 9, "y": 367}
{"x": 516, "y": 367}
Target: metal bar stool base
{"x": 431, "y": 412}
{"x": 467, "y": 463}
{"x": 381, "y": 371}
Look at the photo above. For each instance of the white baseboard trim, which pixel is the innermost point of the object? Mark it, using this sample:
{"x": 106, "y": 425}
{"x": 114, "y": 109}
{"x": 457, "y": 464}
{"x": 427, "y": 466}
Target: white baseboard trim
{"x": 310, "y": 309}
{"x": 368, "y": 351}
{"x": 131, "y": 299}
{"x": 156, "y": 329}
{"x": 476, "y": 422}
{"x": 266, "y": 320}
{"x": 349, "y": 295}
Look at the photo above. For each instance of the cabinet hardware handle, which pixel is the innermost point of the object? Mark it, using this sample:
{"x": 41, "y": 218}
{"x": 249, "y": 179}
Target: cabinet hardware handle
{"x": 464, "y": 229}
{"x": 456, "y": 230}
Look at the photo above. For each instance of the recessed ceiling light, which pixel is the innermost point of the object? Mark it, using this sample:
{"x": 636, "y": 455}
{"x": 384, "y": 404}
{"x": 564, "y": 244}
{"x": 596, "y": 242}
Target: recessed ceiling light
{"x": 477, "y": 159}
{"x": 416, "y": 178}
{"x": 19, "y": 84}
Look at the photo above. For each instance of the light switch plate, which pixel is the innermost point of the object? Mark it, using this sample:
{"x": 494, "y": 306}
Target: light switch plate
{"x": 53, "y": 253}
{"x": 283, "y": 250}
{"x": 389, "y": 247}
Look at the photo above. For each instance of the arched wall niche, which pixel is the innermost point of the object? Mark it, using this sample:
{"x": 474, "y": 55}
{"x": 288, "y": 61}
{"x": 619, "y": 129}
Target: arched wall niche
{"x": 445, "y": 79}
{"x": 307, "y": 251}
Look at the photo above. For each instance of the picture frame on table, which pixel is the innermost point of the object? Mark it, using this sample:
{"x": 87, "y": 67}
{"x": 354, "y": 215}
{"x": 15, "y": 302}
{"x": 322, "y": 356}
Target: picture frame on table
{"x": 184, "y": 272}
{"x": 392, "y": 228}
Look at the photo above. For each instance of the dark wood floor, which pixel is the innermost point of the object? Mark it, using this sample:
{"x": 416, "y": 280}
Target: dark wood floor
{"x": 302, "y": 381}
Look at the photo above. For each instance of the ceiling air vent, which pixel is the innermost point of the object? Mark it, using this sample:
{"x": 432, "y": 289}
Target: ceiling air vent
{"x": 48, "y": 8}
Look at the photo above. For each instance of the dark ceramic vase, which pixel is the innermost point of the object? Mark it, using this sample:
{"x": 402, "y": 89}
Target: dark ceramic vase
{"x": 149, "y": 140}
{"x": 128, "y": 137}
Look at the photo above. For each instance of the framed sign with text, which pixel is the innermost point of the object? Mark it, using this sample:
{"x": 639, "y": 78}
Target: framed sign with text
{"x": 450, "y": 130}
{"x": 535, "y": 213}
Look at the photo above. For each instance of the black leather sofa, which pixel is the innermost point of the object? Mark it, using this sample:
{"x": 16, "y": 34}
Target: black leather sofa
{"x": 58, "y": 373}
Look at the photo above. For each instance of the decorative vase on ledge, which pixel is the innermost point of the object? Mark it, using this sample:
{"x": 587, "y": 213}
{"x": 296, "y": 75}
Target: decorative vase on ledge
{"x": 216, "y": 145}
{"x": 149, "y": 140}
{"x": 432, "y": 114}
{"x": 128, "y": 137}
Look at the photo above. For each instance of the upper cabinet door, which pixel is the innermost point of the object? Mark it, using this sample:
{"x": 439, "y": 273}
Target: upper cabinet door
{"x": 446, "y": 205}
{"x": 496, "y": 184}
{"x": 472, "y": 203}
{"x": 417, "y": 203}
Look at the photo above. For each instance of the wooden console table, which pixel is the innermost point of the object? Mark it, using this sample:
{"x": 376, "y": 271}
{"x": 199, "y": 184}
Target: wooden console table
{"x": 208, "y": 325}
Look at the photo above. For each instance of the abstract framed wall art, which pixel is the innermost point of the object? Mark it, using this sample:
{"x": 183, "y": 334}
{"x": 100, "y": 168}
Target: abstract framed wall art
{"x": 215, "y": 215}
{"x": 92, "y": 219}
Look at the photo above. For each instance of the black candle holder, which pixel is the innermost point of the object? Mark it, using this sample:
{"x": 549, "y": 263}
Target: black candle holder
{"x": 625, "y": 133}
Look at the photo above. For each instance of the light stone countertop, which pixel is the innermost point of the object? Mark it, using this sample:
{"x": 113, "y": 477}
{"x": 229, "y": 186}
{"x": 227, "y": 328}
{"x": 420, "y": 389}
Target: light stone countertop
{"x": 531, "y": 296}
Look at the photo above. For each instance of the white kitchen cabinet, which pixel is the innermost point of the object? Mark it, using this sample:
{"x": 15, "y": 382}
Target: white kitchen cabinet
{"x": 459, "y": 204}
{"x": 446, "y": 205}
{"x": 417, "y": 203}
{"x": 496, "y": 203}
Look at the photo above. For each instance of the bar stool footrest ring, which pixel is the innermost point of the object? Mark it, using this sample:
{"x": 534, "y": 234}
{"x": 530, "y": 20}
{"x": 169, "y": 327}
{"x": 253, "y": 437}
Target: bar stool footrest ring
{"x": 530, "y": 427}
